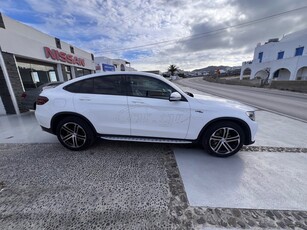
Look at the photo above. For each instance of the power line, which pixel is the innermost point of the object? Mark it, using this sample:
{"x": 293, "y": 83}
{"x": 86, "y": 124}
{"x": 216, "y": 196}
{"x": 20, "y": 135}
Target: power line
{"x": 200, "y": 35}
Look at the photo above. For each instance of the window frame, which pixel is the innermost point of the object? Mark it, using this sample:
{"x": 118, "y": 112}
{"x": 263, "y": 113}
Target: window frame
{"x": 124, "y": 84}
{"x": 299, "y": 51}
{"x": 260, "y": 56}
{"x": 58, "y": 43}
{"x": 280, "y": 55}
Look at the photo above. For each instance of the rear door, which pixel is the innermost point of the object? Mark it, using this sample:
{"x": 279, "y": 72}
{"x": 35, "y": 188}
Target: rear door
{"x": 103, "y": 101}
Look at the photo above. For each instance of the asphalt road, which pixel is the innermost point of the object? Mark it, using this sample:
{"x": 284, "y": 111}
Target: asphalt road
{"x": 291, "y": 104}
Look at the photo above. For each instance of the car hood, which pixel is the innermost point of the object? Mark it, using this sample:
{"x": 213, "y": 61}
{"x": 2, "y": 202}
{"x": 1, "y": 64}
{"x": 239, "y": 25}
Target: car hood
{"x": 221, "y": 102}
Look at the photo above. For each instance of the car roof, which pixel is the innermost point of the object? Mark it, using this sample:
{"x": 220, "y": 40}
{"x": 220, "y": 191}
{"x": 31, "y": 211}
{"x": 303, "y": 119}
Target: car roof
{"x": 113, "y": 74}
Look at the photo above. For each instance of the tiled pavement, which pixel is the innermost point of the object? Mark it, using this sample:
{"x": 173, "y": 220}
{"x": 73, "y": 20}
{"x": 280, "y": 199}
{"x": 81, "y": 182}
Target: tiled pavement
{"x": 114, "y": 185}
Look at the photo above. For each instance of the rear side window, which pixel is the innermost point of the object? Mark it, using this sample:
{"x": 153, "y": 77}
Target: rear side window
{"x": 111, "y": 85}
{"x": 85, "y": 86}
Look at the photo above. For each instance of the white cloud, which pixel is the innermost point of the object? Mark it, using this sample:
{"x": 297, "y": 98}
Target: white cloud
{"x": 105, "y": 25}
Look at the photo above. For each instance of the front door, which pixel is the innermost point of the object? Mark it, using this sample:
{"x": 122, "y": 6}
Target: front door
{"x": 151, "y": 112}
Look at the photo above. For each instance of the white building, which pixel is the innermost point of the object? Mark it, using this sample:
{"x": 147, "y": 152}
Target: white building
{"x": 104, "y": 64}
{"x": 30, "y": 58}
{"x": 284, "y": 59}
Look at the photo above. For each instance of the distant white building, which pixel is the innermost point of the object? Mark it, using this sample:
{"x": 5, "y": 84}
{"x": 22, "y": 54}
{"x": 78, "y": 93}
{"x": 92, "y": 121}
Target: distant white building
{"x": 284, "y": 59}
{"x": 104, "y": 64}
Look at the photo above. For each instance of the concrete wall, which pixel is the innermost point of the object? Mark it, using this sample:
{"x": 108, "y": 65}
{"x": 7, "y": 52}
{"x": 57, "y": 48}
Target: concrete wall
{"x": 298, "y": 86}
{"x": 252, "y": 83}
{"x": 6, "y": 99}
{"x": 15, "y": 80}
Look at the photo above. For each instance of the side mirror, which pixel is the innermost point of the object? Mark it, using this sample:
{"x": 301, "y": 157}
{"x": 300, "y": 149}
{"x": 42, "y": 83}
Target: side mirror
{"x": 175, "y": 96}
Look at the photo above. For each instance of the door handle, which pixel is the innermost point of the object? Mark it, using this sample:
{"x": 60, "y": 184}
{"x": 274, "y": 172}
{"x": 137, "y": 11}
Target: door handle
{"x": 138, "y": 102}
{"x": 84, "y": 99}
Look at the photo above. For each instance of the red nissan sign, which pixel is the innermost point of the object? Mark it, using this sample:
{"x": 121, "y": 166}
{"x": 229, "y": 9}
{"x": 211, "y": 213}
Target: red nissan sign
{"x": 63, "y": 57}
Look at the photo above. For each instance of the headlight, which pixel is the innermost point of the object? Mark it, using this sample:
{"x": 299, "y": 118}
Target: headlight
{"x": 251, "y": 115}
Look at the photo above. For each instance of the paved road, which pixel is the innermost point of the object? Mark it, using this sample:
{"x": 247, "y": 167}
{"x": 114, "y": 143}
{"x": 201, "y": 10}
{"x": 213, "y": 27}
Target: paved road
{"x": 287, "y": 103}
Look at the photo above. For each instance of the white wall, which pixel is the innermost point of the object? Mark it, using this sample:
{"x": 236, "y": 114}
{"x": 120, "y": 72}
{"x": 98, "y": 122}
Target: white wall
{"x": 25, "y": 41}
{"x": 288, "y": 44}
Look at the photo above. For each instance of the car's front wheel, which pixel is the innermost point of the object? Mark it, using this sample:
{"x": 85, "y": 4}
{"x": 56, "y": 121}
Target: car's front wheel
{"x": 74, "y": 133}
{"x": 223, "y": 139}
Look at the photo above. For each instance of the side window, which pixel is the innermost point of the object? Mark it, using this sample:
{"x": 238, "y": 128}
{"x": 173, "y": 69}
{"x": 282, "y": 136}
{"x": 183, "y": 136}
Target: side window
{"x": 141, "y": 86}
{"x": 85, "y": 86}
{"x": 111, "y": 85}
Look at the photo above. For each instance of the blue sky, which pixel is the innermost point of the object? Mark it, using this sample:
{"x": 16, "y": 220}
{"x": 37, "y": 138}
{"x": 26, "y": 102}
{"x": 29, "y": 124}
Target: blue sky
{"x": 152, "y": 34}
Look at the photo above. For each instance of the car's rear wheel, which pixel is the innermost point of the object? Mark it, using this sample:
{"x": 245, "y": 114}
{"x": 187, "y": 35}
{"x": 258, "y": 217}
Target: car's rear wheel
{"x": 75, "y": 133}
{"x": 223, "y": 139}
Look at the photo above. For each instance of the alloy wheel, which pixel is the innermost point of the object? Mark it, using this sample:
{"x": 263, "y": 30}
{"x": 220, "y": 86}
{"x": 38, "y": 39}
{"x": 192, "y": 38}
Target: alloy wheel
{"x": 73, "y": 135}
{"x": 224, "y": 140}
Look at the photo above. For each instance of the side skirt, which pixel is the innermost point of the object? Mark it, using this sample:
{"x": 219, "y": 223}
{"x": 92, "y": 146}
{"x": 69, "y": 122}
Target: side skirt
{"x": 146, "y": 139}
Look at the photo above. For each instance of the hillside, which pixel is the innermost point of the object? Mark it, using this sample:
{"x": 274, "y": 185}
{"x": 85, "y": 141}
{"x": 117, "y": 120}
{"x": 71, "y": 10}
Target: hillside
{"x": 211, "y": 69}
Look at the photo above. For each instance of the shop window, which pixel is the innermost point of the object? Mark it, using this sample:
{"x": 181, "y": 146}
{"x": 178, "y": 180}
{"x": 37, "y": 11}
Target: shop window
{"x": 52, "y": 76}
{"x": 280, "y": 55}
{"x": 68, "y": 72}
{"x": 72, "y": 50}
{"x": 1, "y": 22}
{"x": 34, "y": 74}
{"x": 81, "y": 72}
{"x": 58, "y": 43}
{"x": 299, "y": 51}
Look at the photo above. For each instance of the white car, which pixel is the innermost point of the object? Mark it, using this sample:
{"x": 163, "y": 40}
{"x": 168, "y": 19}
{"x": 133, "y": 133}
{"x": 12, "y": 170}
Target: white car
{"x": 142, "y": 107}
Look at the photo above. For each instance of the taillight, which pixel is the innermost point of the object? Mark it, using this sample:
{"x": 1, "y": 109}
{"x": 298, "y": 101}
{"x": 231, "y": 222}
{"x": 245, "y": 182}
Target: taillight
{"x": 23, "y": 95}
{"x": 41, "y": 100}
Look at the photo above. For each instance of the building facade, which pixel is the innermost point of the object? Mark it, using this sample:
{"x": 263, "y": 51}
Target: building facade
{"x": 30, "y": 58}
{"x": 104, "y": 64}
{"x": 284, "y": 59}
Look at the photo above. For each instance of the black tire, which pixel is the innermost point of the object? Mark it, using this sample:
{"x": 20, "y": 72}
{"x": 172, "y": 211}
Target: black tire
{"x": 75, "y": 134}
{"x": 223, "y": 139}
